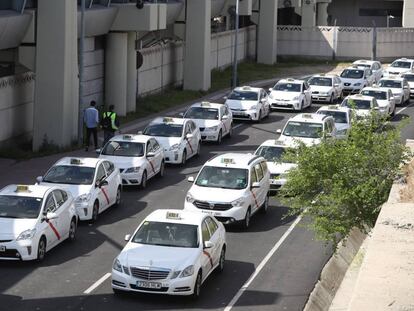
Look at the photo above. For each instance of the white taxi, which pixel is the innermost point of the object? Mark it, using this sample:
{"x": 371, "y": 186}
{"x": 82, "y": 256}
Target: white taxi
{"x": 290, "y": 94}
{"x": 325, "y": 88}
{"x": 248, "y": 103}
{"x": 399, "y": 88}
{"x": 355, "y": 79}
{"x": 33, "y": 220}
{"x": 363, "y": 106}
{"x": 384, "y": 97}
{"x": 94, "y": 183}
{"x": 308, "y": 128}
{"x": 374, "y": 65}
{"x": 180, "y": 138}
{"x": 231, "y": 187}
{"x": 273, "y": 150}
{"x": 214, "y": 120}
{"x": 171, "y": 252}
{"x": 138, "y": 158}
{"x": 399, "y": 66}
{"x": 409, "y": 76}
{"x": 342, "y": 117}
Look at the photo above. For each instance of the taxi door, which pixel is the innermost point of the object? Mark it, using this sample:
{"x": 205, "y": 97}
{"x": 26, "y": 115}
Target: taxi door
{"x": 158, "y": 157}
{"x": 260, "y": 192}
{"x": 103, "y": 191}
{"x": 112, "y": 180}
{"x": 63, "y": 213}
{"x": 191, "y": 139}
{"x": 207, "y": 262}
{"x": 215, "y": 238}
{"x": 227, "y": 120}
{"x": 50, "y": 227}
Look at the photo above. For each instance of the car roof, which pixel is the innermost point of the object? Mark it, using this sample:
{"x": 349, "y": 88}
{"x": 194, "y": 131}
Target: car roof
{"x": 176, "y": 216}
{"x": 364, "y": 61}
{"x": 206, "y": 104}
{"x": 375, "y": 88}
{"x": 78, "y": 161}
{"x": 395, "y": 78}
{"x": 235, "y": 160}
{"x": 136, "y": 138}
{"x": 276, "y": 143}
{"x": 309, "y": 117}
{"x": 327, "y": 75}
{"x": 360, "y": 97}
{"x": 247, "y": 88}
{"x": 355, "y": 67}
{"x": 334, "y": 108}
{"x": 291, "y": 80}
{"x": 31, "y": 191}
{"x": 168, "y": 120}
{"x": 404, "y": 59}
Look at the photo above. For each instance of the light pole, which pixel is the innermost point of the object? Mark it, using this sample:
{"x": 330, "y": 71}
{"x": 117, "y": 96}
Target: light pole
{"x": 81, "y": 66}
{"x": 236, "y": 26}
{"x": 388, "y": 20}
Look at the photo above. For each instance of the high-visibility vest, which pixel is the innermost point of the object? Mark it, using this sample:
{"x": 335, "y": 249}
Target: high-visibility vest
{"x": 111, "y": 115}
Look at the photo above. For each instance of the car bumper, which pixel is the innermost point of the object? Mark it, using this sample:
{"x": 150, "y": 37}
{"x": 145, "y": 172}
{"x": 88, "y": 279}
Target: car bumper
{"x": 131, "y": 179}
{"x": 173, "y": 157}
{"x": 245, "y": 115}
{"x": 19, "y": 250}
{"x": 209, "y": 136}
{"x": 228, "y": 216}
{"x": 321, "y": 98}
{"x": 276, "y": 184}
{"x": 177, "y": 286}
{"x": 288, "y": 105}
{"x": 84, "y": 210}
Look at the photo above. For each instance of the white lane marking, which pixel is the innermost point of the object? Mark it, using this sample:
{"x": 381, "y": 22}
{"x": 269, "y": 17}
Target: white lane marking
{"x": 97, "y": 283}
{"x": 261, "y": 265}
{"x": 402, "y": 109}
{"x": 237, "y": 126}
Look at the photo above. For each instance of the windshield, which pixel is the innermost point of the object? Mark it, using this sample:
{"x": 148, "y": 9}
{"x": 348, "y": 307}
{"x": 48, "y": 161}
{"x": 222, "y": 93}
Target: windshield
{"x": 242, "y": 95}
{"x": 357, "y": 103}
{"x": 19, "y": 207}
{"x": 303, "y": 129}
{"x": 339, "y": 116}
{"x": 222, "y": 177}
{"x": 287, "y": 87}
{"x": 318, "y": 81}
{"x": 271, "y": 153}
{"x": 124, "y": 149}
{"x": 167, "y": 234}
{"x": 164, "y": 130}
{"x": 381, "y": 95}
{"x": 70, "y": 174}
{"x": 202, "y": 113}
{"x": 400, "y": 64}
{"x": 352, "y": 74}
{"x": 409, "y": 77}
{"x": 390, "y": 83}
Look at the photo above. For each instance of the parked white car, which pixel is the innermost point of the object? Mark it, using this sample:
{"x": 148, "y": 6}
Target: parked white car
{"x": 374, "y": 65}
{"x": 308, "y": 128}
{"x": 290, "y": 94}
{"x": 384, "y": 97}
{"x": 248, "y": 103}
{"x": 214, "y": 120}
{"x": 409, "y": 76}
{"x": 399, "y": 88}
{"x": 172, "y": 252}
{"x": 180, "y": 138}
{"x": 138, "y": 158}
{"x": 342, "y": 117}
{"x": 325, "y": 88}
{"x": 33, "y": 220}
{"x": 273, "y": 150}
{"x": 231, "y": 187}
{"x": 399, "y": 66}
{"x": 355, "y": 79}
{"x": 94, "y": 183}
{"x": 363, "y": 105}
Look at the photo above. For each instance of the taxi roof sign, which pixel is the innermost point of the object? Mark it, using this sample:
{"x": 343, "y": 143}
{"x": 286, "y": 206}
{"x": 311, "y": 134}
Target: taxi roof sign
{"x": 75, "y": 161}
{"x": 127, "y": 136}
{"x": 22, "y": 188}
{"x": 333, "y": 107}
{"x": 228, "y": 161}
{"x": 173, "y": 215}
{"x": 307, "y": 116}
{"x": 246, "y": 87}
{"x": 167, "y": 120}
{"x": 205, "y": 104}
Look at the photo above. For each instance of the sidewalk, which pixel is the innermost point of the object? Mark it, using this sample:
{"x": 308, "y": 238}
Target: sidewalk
{"x": 14, "y": 171}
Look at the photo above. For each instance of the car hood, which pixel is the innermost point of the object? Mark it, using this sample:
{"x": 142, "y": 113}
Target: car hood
{"x": 292, "y": 141}
{"x": 383, "y": 103}
{"x": 362, "y": 112}
{"x": 10, "y": 228}
{"x": 284, "y": 95}
{"x": 141, "y": 255}
{"x": 241, "y": 104}
{"x": 279, "y": 168}
{"x": 352, "y": 81}
{"x": 411, "y": 84}
{"x": 206, "y": 123}
{"x": 319, "y": 88}
{"x": 75, "y": 190}
{"x": 395, "y": 90}
{"x": 167, "y": 142}
{"x": 124, "y": 162}
{"x": 215, "y": 194}
{"x": 398, "y": 70}
{"x": 341, "y": 126}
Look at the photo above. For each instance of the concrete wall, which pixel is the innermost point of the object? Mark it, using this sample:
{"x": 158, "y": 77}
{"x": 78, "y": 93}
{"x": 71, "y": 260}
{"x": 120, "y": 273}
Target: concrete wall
{"x": 163, "y": 64}
{"x": 16, "y": 106}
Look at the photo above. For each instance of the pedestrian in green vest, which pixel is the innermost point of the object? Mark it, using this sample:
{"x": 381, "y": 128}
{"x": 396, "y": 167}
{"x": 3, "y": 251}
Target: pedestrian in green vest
{"x": 110, "y": 123}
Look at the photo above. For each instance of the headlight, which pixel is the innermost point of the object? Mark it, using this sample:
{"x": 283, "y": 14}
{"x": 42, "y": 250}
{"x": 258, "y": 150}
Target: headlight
{"x": 238, "y": 202}
{"x": 324, "y": 93}
{"x": 254, "y": 107}
{"x": 271, "y": 95}
{"x": 342, "y": 132}
{"x": 83, "y": 198}
{"x": 175, "y": 274}
{"x": 132, "y": 170}
{"x": 211, "y": 129}
{"x": 175, "y": 147}
{"x": 357, "y": 84}
{"x": 189, "y": 198}
{"x": 117, "y": 265}
{"x": 26, "y": 235}
{"x": 296, "y": 98}
{"x": 187, "y": 271}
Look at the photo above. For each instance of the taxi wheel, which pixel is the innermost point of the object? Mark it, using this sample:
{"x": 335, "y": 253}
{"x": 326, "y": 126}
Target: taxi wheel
{"x": 41, "y": 249}
{"x": 219, "y": 138}
{"x": 230, "y": 131}
{"x": 259, "y": 118}
{"x": 222, "y": 260}
{"x": 144, "y": 180}
{"x": 95, "y": 211}
{"x": 331, "y": 100}
{"x": 246, "y": 220}
{"x": 265, "y": 206}
{"x": 184, "y": 158}
{"x": 198, "y": 148}
{"x": 118, "y": 197}
{"x": 162, "y": 169}
{"x": 72, "y": 230}
{"x": 301, "y": 106}
{"x": 197, "y": 287}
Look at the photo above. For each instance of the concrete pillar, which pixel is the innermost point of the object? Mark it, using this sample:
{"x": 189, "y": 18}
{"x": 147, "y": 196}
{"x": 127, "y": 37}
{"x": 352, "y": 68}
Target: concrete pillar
{"x": 322, "y": 13}
{"x": 197, "y": 72}
{"x": 131, "y": 73}
{"x": 408, "y": 14}
{"x": 116, "y": 63}
{"x": 267, "y": 32}
{"x": 308, "y": 13}
{"x": 57, "y": 84}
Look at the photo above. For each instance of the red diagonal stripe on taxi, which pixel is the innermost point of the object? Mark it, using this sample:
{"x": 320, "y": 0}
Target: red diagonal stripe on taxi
{"x": 152, "y": 166}
{"x": 225, "y": 128}
{"x": 105, "y": 194}
{"x": 255, "y": 199}
{"x": 209, "y": 257}
{"x": 188, "y": 141}
{"x": 54, "y": 229}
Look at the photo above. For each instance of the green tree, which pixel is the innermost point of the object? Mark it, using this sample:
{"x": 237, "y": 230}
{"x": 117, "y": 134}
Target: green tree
{"x": 341, "y": 184}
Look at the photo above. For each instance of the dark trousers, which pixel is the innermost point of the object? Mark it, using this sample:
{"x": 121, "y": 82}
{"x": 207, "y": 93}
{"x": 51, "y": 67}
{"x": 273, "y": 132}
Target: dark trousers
{"x": 92, "y": 131}
{"x": 107, "y": 136}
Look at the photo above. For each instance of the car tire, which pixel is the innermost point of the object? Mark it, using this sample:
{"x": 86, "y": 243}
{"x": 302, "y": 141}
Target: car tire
{"x": 222, "y": 260}
{"x": 95, "y": 211}
{"x": 41, "y": 249}
{"x": 301, "y": 106}
{"x": 184, "y": 158}
{"x": 259, "y": 117}
{"x": 331, "y": 99}
{"x": 219, "y": 138}
{"x": 118, "y": 197}
{"x": 264, "y": 208}
{"x": 144, "y": 180}
{"x": 198, "y": 149}
{"x": 161, "y": 173}
{"x": 197, "y": 287}
{"x": 246, "y": 221}
{"x": 230, "y": 134}
{"x": 72, "y": 230}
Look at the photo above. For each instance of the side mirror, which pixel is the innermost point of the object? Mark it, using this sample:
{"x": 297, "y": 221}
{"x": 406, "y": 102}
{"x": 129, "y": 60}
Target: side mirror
{"x": 278, "y": 131}
{"x": 150, "y": 154}
{"x": 270, "y": 89}
{"x": 181, "y": 114}
{"x": 225, "y": 97}
{"x": 190, "y": 179}
{"x": 127, "y": 237}
{"x": 51, "y": 216}
{"x": 98, "y": 151}
{"x": 392, "y": 98}
{"x": 263, "y": 100}
{"x": 208, "y": 244}
{"x": 256, "y": 185}
{"x": 225, "y": 117}
{"x": 336, "y": 85}
{"x": 189, "y": 135}
{"x": 39, "y": 179}
{"x": 139, "y": 132}
{"x": 376, "y": 108}
{"x": 102, "y": 183}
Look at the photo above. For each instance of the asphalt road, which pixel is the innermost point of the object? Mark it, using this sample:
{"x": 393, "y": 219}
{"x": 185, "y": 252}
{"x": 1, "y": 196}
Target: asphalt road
{"x": 284, "y": 283}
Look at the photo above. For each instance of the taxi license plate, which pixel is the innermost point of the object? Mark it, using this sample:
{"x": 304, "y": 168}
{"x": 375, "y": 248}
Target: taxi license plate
{"x": 2, "y": 248}
{"x": 236, "y": 113}
{"x": 152, "y": 285}
{"x": 212, "y": 213}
